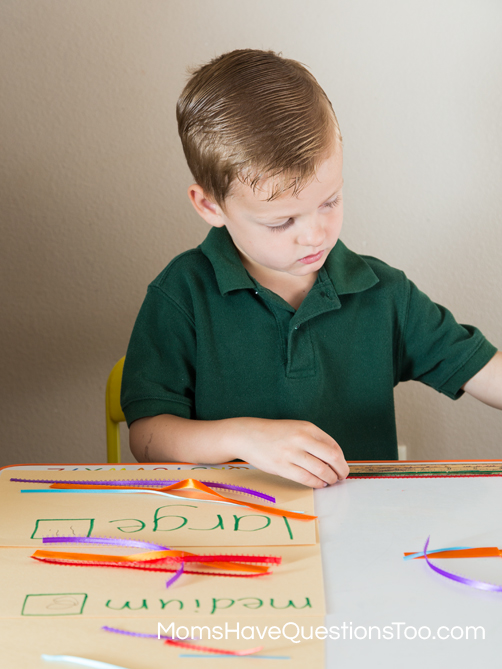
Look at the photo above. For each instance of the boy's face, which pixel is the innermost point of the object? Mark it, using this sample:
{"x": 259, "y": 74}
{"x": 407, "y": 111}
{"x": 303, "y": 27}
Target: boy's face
{"x": 287, "y": 239}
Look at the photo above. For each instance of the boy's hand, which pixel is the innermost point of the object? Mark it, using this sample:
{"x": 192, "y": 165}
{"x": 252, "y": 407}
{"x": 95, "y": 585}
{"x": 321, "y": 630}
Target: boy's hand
{"x": 295, "y": 449}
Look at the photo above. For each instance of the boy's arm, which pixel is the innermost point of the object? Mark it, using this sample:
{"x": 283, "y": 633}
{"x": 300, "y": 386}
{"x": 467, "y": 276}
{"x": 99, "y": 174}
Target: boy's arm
{"x": 294, "y": 449}
{"x": 486, "y": 385}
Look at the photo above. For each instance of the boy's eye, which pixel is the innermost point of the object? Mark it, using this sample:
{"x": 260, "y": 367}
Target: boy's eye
{"x": 290, "y": 221}
{"x": 284, "y": 226}
{"x": 333, "y": 203}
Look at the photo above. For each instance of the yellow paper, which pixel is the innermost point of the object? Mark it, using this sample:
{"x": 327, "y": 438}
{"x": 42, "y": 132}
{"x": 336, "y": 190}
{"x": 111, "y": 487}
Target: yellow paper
{"x": 60, "y": 609}
{"x": 32, "y": 588}
{"x": 154, "y": 518}
{"x": 26, "y": 640}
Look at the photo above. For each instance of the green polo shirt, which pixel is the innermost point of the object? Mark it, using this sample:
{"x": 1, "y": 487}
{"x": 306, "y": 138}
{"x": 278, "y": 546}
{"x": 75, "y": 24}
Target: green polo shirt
{"x": 210, "y": 342}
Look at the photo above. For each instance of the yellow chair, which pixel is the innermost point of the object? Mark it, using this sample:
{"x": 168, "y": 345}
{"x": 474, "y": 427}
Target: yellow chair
{"x": 114, "y": 413}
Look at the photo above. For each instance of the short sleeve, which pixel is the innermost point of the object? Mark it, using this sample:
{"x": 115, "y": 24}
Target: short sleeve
{"x": 159, "y": 370}
{"x": 437, "y": 350}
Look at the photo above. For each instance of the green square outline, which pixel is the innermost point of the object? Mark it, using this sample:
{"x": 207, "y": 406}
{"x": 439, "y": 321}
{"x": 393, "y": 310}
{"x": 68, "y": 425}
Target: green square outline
{"x": 60, "y": 594}
{"x": 91, "y": 526}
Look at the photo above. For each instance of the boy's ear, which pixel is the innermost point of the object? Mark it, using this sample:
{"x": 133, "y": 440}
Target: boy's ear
{"x": 205, "y": 207}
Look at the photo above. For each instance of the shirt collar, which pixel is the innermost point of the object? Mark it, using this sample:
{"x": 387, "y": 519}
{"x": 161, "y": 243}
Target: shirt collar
{"x": 348, "y": 271}
{"x": 230, "y": 272}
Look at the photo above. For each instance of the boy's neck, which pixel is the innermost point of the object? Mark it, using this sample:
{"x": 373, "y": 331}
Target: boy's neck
{"x": 295, "y": 294}
{"x": 292, "y": 289}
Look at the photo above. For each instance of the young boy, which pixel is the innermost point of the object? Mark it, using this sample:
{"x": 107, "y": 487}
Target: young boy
{"x": 272, "y": 342}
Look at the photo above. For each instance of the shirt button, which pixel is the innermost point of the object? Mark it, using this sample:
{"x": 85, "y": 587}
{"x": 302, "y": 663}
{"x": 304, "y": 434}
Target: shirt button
{"x": 323, "y": 294}
{"x": 328, "y": 294}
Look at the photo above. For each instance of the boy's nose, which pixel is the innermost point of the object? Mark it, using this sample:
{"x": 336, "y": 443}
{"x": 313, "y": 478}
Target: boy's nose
{"x": 312, "y": 233}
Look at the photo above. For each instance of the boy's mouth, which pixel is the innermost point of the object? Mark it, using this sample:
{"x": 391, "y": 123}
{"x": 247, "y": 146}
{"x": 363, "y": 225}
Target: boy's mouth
{"x": 313, "y": 258}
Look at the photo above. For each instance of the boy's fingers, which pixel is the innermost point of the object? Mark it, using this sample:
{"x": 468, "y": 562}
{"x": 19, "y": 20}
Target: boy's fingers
{"x": 330, "y": 453}
{"x": 301, "y": 475}
{"x": 305, "y": 469}
{"x": 334, "y": 460}
{"x": 301, "y": 452}
{"x": 316, "y": 467}
{"x": 341, "y": 468}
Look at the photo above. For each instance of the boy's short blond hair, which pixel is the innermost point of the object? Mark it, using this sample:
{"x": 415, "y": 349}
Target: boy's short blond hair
{"x": 251, "y": 115}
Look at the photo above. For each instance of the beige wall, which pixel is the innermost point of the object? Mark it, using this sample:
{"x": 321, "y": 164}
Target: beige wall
{"x": 92, "y": 184}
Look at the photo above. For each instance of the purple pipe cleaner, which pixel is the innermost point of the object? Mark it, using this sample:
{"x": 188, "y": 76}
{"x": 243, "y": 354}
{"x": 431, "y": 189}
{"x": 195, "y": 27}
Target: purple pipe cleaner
{"x": 106, "y": 628}
{"x": 154, "y": 483}
{"x": 176, "y": 576}
{"x": 137, "y": 634}
{"x": 104, "y": 541}
{"x": 100, "y": 541}
{"x": 480, "y": 585}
